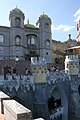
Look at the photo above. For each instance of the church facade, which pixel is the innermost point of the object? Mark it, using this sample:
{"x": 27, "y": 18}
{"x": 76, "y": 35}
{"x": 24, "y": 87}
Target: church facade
{"x": 20, "y": 41}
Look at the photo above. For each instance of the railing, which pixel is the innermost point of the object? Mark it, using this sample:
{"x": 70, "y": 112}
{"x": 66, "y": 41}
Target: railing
{"x": 55, "y": 114}
{"x": 72, "y": 53}
{"x": 71, "y": 56}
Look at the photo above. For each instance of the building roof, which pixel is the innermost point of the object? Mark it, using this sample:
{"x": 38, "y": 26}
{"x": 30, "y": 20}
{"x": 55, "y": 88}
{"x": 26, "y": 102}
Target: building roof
{"x": 30, "y": 26}
{"x": 17, "y": 10}
{"x": 44, "y": 15}
{"x": 75, "y": 47}
{"x": 56, "y": 41}
{"x": 6, "y": 27}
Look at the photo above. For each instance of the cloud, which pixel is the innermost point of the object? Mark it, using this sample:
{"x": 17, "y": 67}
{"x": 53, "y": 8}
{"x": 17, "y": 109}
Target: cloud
{"x": 68, "y": 28}
{"x": 62, "y": 27}
{"x": 77, "y": 15}
{"x": 59, "y": 27}
{"x": 77, "y": 19}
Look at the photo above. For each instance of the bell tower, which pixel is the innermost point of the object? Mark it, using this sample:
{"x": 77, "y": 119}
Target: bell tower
{"x": 16, "y": 18}
{"x": 45, "y": 37}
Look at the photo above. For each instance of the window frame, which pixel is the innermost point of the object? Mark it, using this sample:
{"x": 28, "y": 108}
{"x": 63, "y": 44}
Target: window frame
{"x": 30, "y": 39}
{"x": 2, "y": 38}
{"x": 18, "y": 42}
{"x": 17, "y": 22}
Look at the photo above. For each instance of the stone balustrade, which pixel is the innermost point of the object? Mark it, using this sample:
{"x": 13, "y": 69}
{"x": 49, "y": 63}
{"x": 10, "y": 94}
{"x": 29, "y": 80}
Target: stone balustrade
{"x": 15, "y": 111}
{"x": 3, "y": 96}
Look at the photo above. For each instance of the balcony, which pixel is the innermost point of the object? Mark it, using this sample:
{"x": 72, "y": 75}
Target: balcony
{"x": 32, "y": 47}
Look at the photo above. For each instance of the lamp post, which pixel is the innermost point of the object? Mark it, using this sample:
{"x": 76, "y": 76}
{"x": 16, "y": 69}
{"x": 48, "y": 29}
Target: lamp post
{"x": 16, "y": 61}
{"x": 15, "y": 68}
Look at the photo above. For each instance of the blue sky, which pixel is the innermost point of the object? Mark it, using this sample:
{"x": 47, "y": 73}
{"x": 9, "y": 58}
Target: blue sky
{"x": 63, "y": 13}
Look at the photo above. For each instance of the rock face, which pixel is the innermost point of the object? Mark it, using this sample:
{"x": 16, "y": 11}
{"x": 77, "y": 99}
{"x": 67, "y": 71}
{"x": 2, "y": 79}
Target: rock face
{"x": 57, "y": 98}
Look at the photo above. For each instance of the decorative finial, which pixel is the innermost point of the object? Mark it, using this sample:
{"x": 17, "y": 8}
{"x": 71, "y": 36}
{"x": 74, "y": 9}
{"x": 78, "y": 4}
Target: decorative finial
{"x": 16, "y": 6}
{"x": 69, "y": 36}
{"x": 43, "y": 13}
{"x": 28, "y": 21}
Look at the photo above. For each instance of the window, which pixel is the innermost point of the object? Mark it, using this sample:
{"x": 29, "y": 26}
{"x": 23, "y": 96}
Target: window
{"x": 32, "y": 40}
{"x": 47, "y": 43}
{"x": 1, "y": 50}
{"x": 1, "y": 38}
{"x": 17, "y": 40}
{"x": 46, "y": 53}
{"x": 28, "y": 41}
{"x": 47, "y": 24}
{"x": 18, "y": 22}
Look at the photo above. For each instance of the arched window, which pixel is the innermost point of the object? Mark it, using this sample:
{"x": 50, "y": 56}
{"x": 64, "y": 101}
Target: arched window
{"x": 53, "y": 104}
{"x": 47, "y": 43}
{"x": 1, "y": 39}
{"x": 47, "y": 24}
{"x": 18, "y": 22}
{"x": 17, "y": 40}
{"x": 31, "y": 39}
